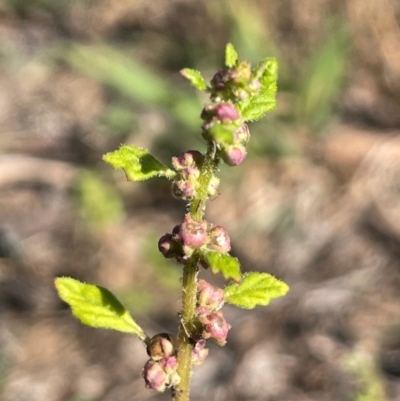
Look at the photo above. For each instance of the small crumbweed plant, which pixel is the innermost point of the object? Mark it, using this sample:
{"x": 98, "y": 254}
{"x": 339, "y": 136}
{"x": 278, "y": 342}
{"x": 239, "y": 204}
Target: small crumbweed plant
{"x": 238, "y": 94}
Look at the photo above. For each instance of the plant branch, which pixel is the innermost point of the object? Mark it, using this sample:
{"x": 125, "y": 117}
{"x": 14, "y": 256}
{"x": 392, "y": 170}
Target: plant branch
{"x": 189, "y": 291}
{"x": 189, "y": 285}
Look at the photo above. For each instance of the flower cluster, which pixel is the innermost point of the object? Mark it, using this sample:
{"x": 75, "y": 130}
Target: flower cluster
{"x": 224, "y": 126}
{"x": 236, "y": 84}
{"x": 193, "y": 235}
{"x": 159, "y": 372}
{"x": 186, "y": 183}
{"x": 210, "y": 300}
{"x": 223, "y": 121}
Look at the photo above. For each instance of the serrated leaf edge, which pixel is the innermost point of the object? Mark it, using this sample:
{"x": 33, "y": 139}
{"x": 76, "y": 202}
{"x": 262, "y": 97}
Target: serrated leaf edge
{"x": 243, "y": 283}
{"x": 126, "y": 316}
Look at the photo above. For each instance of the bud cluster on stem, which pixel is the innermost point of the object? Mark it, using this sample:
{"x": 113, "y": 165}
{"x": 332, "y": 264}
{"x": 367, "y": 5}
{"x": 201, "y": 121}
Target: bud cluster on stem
{"x": 159, "y": 371}
{"x": 226, "y": 133}
{"x": 193, "y": 235}
{"x": 238, "y": 94}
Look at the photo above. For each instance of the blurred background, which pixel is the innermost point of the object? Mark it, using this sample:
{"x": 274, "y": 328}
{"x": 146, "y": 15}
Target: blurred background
{"x": 316, "y": 203}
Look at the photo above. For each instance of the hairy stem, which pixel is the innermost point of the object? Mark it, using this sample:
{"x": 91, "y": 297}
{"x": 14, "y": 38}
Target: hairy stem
{"x": 189, "y": 286}
{"x": 189, "y": 290}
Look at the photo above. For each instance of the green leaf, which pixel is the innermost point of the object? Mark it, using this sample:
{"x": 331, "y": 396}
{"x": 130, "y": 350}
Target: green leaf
{"x": 223, "y": 263}
{"x": 195, "y": 78}
{"x": 265, "y": 100}
{"x": 231, "y": 55}
{"x": 223, "y": 133}
{"x": 255, "y": 289}
{"x": 97, "y": 307}
{"x": 138, "y": 163}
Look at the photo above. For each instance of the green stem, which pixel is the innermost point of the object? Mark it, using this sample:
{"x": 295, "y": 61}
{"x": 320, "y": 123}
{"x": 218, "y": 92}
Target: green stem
{"x": 198, "y": 206}
{"x": 189, "y": 290}
{"x": 189, "y": 286}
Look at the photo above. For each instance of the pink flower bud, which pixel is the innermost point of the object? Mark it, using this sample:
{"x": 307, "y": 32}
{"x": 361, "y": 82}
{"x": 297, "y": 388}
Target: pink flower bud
{"x": 219, "y": 240}
{"x": 159, "y": 375}
{"x": 233, "y": 155}
{"x": 161, "y": 345}
{"x": 209, "y": 296}
{"x": 223, "y": 112}
{"x": 190, "y": 173}
{"x": 215, "y": 327}
{"x": 169, "y": 364}
{"x": 199, "y": 353}
{"x": 193, "y": 233}
{"x": 155, "y": 376}
{"x": 226, "y": 112}
{"x": 184, "y": 189}
{"x": 191, "y": 158}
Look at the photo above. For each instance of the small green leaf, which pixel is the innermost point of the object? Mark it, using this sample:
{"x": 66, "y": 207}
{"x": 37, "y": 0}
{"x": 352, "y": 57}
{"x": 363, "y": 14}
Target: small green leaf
{"x": 255, "y": 289}
{"x": 195, "y": 78}
{"x": 223, "y": 263}
{"x": 223, "y": 134}
{"x": 138, "y": 163}
{"x": 265, "y": 100}
{"x": 231, "y": 55}
{"x": 97, "y": 307}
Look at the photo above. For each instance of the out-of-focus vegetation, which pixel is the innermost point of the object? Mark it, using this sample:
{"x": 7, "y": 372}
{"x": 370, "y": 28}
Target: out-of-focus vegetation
{"x": 370, "y": 386}
{"x": 315, "y": 202}
{"x": 97, "y": 202}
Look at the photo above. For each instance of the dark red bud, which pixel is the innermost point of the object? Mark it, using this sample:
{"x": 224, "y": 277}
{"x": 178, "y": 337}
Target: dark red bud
{"x": 207, "y": 113}
{"x": 169, "y": 247}
{"x": 219, "y": 80}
